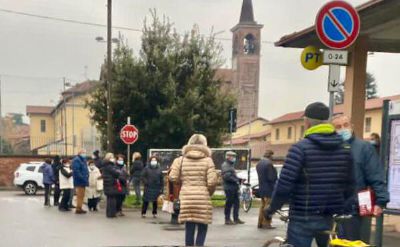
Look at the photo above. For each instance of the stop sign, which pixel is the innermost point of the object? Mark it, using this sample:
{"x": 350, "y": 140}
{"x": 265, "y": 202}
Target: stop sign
{"x": 129, "y": 134}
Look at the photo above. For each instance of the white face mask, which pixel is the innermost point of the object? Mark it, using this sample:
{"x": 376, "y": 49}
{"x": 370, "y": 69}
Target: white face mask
{"x": 153, "y": 163}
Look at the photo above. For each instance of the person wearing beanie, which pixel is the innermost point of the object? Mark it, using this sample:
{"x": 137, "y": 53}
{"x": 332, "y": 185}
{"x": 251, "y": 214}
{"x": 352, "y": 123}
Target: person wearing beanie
{"x": 316, "y": 180}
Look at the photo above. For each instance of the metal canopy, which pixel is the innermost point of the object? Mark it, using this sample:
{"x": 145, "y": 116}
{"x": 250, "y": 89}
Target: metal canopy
{"x": 380, "y": 23}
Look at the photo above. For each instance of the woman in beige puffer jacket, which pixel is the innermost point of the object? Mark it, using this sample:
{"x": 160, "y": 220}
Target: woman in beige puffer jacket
{"x": 195, "y": 170}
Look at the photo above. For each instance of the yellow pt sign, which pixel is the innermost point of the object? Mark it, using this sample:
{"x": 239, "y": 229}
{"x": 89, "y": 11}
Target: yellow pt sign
{"x": 311, "y": 58}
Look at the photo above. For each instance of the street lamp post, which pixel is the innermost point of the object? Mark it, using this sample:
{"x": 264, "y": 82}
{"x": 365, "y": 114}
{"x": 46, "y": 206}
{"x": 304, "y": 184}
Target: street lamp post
{"x": 108, "y": 84}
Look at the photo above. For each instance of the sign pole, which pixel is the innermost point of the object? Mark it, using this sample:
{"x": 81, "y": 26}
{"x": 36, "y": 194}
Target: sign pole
{"x": 333, "y": 85}
{"x": 231, "y": 126}
{"x": 128, "y": 165}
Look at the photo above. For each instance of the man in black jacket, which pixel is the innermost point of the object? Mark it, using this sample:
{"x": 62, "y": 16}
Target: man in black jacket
{"x": 267, "y": 176}
{"x": 231, "y": 188}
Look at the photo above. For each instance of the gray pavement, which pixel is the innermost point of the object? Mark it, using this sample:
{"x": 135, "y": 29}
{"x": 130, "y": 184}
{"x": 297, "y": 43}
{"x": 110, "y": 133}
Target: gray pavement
{"x": 26, "y": 222}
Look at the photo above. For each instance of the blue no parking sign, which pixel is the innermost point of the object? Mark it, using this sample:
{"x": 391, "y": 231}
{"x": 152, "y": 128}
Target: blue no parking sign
{"x": 337, "y": 24}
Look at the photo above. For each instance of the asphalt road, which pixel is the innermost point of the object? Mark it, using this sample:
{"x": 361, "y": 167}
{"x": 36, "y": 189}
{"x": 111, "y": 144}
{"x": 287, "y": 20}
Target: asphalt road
{"x": 26, "y": 222}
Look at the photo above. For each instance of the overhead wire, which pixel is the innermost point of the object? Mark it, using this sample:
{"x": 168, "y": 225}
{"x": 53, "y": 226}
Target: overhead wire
{"x": 94, "y": 24}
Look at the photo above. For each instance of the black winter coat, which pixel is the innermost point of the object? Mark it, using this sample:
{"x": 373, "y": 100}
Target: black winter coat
{"x": 111, "y": 173}
{"x": 229, "y": 176}
{"x": 137, "y": 169}
{"x": 153, "y": 181}
{"x": 56, "y": 169}
{"x": 267, "y": 177}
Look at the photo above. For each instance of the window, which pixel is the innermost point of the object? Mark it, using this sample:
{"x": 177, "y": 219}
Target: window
{"x": 249, "y": 46}
{"x": 41, "y": 169}
{"x": 277, "y": 134}
{"x": 42, "y": 126}
{"x": 30, "y": 168}
{"x": 302, "y": 131}
{"x": 289, "y": 133}
{"x": 368, "y": 121}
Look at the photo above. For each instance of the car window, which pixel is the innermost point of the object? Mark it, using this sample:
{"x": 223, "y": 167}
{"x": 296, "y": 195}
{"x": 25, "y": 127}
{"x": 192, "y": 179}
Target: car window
{"x": 41, "y": 169}
{"x": 30, "y": 168}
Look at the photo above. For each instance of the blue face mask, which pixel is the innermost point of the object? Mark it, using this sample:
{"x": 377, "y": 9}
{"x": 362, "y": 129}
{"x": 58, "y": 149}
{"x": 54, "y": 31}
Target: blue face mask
{"x": 83, "y": 156}
{"x": 373, "y": 143}
{"x": 346, "y": 134}
{"x": 233, "y": 160}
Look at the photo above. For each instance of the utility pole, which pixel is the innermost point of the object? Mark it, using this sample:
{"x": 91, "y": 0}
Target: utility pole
{"x": 1, "y": 122}
{"x": 109, "y": 78}
{"x": 65, "y": 118}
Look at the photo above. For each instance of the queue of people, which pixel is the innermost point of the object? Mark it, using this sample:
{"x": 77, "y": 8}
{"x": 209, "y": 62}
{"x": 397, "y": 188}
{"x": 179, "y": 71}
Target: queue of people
{"x": 321, "y": 177}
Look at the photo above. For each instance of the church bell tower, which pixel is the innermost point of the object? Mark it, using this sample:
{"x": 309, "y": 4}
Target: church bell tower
{"x": 246, "y": 63}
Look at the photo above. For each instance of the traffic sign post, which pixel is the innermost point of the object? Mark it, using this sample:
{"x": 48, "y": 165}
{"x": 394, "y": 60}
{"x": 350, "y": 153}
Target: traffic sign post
{"x": 337, "y": 24}
{"x": 129, "y": 135}
{"x": 333, "y": 85}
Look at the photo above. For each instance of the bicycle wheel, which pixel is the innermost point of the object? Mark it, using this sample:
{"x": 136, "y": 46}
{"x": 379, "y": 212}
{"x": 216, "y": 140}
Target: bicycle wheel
{"x": 247, "y": 204}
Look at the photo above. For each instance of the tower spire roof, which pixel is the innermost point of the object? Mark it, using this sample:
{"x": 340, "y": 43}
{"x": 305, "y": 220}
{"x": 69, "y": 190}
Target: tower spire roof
{"x": 247, "y": 14}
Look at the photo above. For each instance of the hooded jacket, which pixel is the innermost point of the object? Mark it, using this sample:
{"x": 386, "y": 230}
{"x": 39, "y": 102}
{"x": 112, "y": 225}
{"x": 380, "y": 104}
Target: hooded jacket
{"x": 196, "y": 172}
{"x": 317, "y": 176}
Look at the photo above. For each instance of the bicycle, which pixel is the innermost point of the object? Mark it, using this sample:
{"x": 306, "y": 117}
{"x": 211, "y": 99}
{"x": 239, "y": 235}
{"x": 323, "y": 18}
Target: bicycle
{"x": 246, "y": 196}
{"x": 334, "y": 241}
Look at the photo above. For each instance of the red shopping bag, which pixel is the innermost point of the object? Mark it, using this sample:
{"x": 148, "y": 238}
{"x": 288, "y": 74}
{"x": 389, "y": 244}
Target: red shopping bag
{"x": 119, "y": 187}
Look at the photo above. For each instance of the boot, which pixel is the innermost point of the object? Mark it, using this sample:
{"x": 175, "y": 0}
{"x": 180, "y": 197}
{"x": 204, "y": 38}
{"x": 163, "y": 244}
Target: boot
{"x": 229, "y": 222}
{"x": 238, "y": 221}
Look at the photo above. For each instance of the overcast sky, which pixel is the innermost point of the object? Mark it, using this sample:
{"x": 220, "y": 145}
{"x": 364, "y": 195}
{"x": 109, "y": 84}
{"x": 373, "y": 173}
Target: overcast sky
{"x": 35, "y": 54}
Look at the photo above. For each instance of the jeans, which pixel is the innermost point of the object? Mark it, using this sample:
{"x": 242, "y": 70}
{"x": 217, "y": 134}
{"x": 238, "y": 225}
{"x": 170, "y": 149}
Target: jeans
{"x": 356, "y": 228}
{"x": 190, "y": 229}
{"x": 146, "y": 205}
{"x": 65, "y": 199}
{"x": 111, "y": 210}
{"x": 80, "y": 194}
{"x": 120, "y": 202}
{"x": 232, "y": 200}
{"x": 302, "y": 233}
{"x": 71, "y": 197}
{"x": 136, "y": 186}
{"x": 47, "y": 190}
{"x": 57, "y": 193}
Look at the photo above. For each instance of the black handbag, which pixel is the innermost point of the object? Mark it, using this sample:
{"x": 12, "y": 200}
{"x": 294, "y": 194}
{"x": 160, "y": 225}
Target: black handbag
{"x": 177, "y": 202}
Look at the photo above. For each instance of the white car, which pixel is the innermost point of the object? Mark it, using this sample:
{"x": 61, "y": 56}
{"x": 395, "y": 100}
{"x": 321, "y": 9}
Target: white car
{"x": 29, "y": 177}
{"x": 254, "y": 176}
